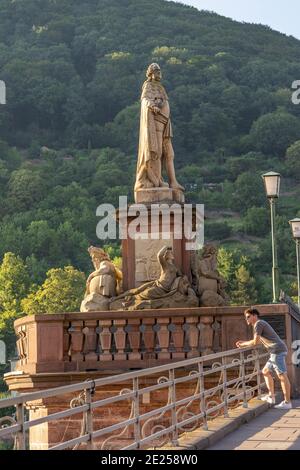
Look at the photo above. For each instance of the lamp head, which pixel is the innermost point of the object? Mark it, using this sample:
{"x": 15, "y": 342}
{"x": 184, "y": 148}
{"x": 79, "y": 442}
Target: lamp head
{"x": 272, "y": 184}
{"x": 295, "y": 226}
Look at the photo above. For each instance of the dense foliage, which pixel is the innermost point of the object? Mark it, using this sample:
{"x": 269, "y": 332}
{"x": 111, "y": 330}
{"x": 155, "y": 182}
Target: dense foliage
{"x": 69, "y": 132}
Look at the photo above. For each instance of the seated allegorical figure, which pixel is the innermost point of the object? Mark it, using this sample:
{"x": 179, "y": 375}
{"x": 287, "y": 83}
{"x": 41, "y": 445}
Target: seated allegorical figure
{"x": 210, "y": 284}
{"x": 171, "y": 290}
{"x": 103, "y": 284}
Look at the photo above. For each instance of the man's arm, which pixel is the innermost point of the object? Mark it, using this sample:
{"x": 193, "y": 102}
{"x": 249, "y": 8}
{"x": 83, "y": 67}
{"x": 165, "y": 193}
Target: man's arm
{"x": 247, "y": 344}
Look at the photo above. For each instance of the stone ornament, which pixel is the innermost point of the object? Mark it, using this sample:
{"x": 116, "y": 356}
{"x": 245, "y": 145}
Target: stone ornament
{"x": 209, "y": 284}
{"x": 102, "y": 284}
{"x": 170, "y": 290}
{"x": 155, "y": 143}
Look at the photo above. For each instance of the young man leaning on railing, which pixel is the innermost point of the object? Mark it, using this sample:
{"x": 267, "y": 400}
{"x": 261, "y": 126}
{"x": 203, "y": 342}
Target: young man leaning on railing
{"x": 266, "y": 335}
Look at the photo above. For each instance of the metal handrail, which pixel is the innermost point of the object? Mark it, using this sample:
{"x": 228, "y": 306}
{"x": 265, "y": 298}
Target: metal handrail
{"x": 228, "y": 392}
{"x": 24, "y": 398}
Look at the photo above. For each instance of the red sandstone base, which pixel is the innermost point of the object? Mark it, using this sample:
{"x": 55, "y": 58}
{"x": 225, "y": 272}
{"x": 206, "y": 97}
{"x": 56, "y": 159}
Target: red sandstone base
{"x": 58, "y": 350}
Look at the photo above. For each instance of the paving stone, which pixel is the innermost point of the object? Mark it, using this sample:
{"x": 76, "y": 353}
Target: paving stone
{"x": 277, "y": 435}
{"x": 283, "y": 423}
{"x": 273, "y": 446}
{"x": 247, "y": 445}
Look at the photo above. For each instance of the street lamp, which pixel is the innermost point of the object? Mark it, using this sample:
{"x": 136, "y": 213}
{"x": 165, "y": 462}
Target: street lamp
{"x": 272, "y": 187}
{"x": 295, "y": 225}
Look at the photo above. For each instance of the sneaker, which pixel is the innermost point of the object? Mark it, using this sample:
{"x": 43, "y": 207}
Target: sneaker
{"x": 284, "y": 406}
{"x": 268, "y": 399}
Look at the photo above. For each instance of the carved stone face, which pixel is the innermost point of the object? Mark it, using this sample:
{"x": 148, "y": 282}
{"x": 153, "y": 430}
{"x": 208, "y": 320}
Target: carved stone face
{"x": 209, "y": 251}
{"x": 96, "y": 261}
{"x": 156, "y": 75}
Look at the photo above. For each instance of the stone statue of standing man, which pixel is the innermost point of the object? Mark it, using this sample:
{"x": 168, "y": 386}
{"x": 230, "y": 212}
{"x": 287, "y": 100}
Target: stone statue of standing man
{"x": 155, "y": 143}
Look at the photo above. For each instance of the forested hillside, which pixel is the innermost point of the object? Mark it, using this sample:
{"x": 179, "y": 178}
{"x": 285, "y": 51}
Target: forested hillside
{"x": 69, "y": 132}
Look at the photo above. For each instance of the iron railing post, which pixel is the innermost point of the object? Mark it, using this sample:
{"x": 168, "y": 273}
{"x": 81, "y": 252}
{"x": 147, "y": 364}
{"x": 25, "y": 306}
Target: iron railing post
{"x": 202, "y": 396}
{"x": 136, "y": 411}
{"x": 89, "y": 417}
{"x": 242, "y": 358}
{"x": 257, "y": 366}
{"x": 225, "y": 395}
{"x": 173, "y": 401}
{"x": 20, "y": 437}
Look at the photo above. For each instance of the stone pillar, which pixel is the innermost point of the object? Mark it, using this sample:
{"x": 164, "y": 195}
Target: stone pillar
{"x": 158, "y": 225}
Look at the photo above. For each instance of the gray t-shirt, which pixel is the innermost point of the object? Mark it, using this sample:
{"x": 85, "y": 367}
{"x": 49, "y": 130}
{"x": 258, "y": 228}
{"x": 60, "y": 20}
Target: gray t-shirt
{"x": 269, "y": 337}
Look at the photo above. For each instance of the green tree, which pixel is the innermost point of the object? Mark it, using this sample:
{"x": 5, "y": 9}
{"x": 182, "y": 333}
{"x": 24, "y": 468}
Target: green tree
{"x": 14, "y": 286}
{"x": 227, "y": 264}
{"x": 274, "y": 132}
{"x": 293, "y": 291}
{"x": 14, "y": 282}
{"x": 217, "y": 230}
{"x": 234, "y": 267}
{"x": 248, "y": 192}
{"x": 61, "y": 292}
{"x": 256, "y": 221}
{"x": 292, "y": 160}
{"x": 25, "y": 189}
{"x": 11, "y": 235}
{"x": 245, "y": 292}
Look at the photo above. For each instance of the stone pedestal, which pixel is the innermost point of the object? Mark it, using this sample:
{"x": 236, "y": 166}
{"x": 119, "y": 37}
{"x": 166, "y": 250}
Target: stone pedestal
{"x": 155, "y": 195}
{"x": 157, "y": 225}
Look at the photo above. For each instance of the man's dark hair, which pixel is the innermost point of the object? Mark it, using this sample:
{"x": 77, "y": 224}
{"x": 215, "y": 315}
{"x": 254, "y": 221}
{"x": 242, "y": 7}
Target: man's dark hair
{"x": 252, "y": 311}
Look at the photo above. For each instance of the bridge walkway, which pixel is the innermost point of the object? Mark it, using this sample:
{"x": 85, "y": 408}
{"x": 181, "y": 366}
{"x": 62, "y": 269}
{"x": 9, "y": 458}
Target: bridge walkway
{"x": 272, "y": 430}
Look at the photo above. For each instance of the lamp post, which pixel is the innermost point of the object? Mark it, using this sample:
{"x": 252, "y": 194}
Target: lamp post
{"x": 295, "y": 225}
{"x": 272, "y": 187}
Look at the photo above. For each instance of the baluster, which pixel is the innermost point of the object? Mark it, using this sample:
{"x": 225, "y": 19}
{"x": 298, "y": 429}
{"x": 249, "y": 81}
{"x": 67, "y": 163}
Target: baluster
{"x": 76, "y": 344}
{"x": 85, "y": 331}
{"x": 178, "y": 337}
{"x": 120, "y": 339}
{"x": 67, "y": 342}
{"x": 134, "y": 336}
{"x": 105, "y": 339}
{"x": 98, "y": 342}
{"x": 193, "y": 336}
{"x": 90, "y": 344}
{"x": 206, "y": 335}
{"x": 217, "y": 336}
{"x": 148, "y": 337}
{"x": 163, "y": 335}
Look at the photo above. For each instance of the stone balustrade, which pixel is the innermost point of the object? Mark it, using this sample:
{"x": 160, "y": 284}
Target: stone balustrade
{"x": 125, "y": 340}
